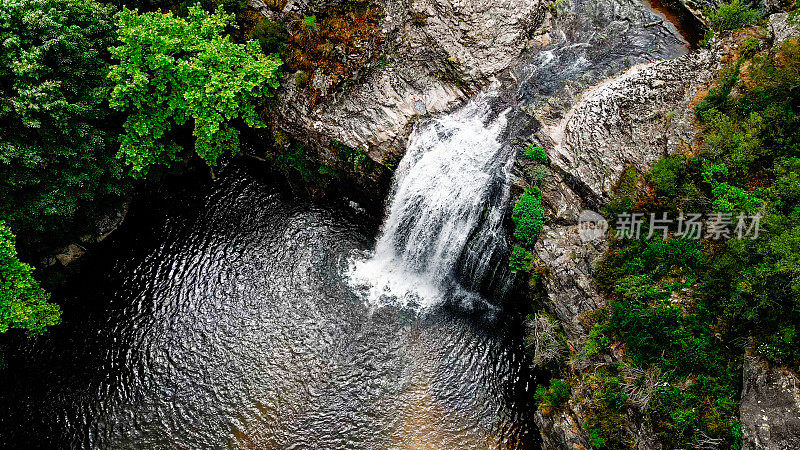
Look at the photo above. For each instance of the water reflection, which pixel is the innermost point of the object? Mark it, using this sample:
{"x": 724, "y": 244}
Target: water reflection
{"x": 224, "y": 321}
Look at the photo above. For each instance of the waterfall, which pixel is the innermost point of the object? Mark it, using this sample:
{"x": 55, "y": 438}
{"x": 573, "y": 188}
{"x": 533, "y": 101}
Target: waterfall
{"x": 443, "y": 233}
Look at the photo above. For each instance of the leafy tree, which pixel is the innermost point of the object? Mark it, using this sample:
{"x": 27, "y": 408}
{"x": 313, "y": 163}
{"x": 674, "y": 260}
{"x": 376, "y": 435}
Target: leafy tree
{"x": 57, "y": 140}
{"x": 174, "y": 70}
{"x": 23, "y": 304}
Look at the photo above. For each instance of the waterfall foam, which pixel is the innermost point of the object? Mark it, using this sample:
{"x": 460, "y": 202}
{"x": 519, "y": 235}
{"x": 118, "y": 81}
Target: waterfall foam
{"x": 444, "y": 225}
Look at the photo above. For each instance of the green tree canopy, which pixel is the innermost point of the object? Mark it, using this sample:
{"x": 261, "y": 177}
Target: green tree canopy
{"x": 23, "y": 304}
{"x": 173, "y": 70}
{"x": 57, "y": 142}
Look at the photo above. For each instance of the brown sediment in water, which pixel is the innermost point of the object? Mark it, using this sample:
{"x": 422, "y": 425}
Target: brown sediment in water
{"x": 687, "y": 25}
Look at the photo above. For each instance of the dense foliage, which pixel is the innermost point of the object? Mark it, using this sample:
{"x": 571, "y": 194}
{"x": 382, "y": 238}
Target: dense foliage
{"x": 23, "y": 304}
{"x": 520, "y": 259}
{"x": 174, "y": 70}
{"x": 528, "y": 215}
{"x": 688, "y": 308}
{"x": 536, "y": 153}
{"x": 553, "y": 396}
{"x": 58, "y": 139}
{"x": 736, "y": 14}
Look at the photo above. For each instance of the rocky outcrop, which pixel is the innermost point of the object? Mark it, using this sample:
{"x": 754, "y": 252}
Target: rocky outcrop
{"x": 586, "y": 41}
{"x": 781, "y": 28}
{"x": 770, "y": 406}
{"x": 570, "y": 284}
{"x": 630, "y": 120}
{"x": 435, "y": 53}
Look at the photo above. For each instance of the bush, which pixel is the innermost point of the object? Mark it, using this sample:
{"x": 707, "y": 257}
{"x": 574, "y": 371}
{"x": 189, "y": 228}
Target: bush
{"x": 310, "y": 22}
{"x": 528, "y": 215}
{"x": 174, "y": 70}
{"x": 271, "y": 36}
{"x": 595, "y": 440}
{"x": 520, "y": 260}
{"x": 23, "y": 304}
{"x": 537, "y": 175}
{"x": 554, "y": 396}
{"x": 301, "y": 79}
{"x": 537, "y": 154}
{"x": 736, "y": 14}
{"x": 717, "y": 97}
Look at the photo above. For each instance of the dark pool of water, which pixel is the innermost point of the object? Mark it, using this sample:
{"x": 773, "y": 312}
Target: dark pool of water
{"x": 219, "y": 317}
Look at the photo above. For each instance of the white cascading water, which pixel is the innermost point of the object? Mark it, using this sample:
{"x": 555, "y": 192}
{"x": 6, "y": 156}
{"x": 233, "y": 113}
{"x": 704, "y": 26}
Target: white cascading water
{"x": 445, "y": 217}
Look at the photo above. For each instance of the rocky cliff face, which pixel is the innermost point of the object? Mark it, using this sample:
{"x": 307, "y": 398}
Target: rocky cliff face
{"x": 770, "y": 406}
{"x": 629, "y": 121}
{"x": 603, "y": 85}
{"x": 434, "y": 53}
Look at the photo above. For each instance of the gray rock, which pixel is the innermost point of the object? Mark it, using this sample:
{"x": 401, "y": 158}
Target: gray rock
{"x": 630, "y": 120}
{"x": 781, "y": 29}
{"x": 570, "y": 285}
{"x": 430, "y": 68}
{"x": 588, "y": 41}
{"x": 770, "y": 406}
{"x": 561, "y": 431}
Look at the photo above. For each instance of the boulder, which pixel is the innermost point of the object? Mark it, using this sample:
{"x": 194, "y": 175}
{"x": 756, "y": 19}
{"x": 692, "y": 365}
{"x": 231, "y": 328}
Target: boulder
{"x": 770, "y": 406}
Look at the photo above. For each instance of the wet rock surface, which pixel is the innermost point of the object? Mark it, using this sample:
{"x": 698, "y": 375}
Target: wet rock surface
{"x": 770, "y": 406}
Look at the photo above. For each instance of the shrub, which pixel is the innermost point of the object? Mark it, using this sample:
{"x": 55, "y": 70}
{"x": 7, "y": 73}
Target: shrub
{"x": 666, "y": 175}
{"x": 301, "y": 79}
{"x": 174, "y": 70}
{"x": 23, "y": 304}
{"x": 595, "y": 440}
{"x": 537, "y": 175}
{"x": 734, "y": 15}
{"x": 750, "y": 47}
{"x": 554, "y": 396}
{"x": 520, "y": 260}
{"x": 537, "y": 154}
{"x": 271, "y": 36}
{"x": 357, "y": 157}
{"x": 528, "y": 215}
{"x": 717, "y": 97}
{"x": 310, "y": 22}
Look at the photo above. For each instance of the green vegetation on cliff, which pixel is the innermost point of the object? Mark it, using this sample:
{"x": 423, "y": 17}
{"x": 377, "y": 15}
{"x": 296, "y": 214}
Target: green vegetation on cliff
{"x": 686, "y": 309}
{"x": 528, "y": 215}
{"x": 58, "y": 138}
{"x": 23, "y": 304}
